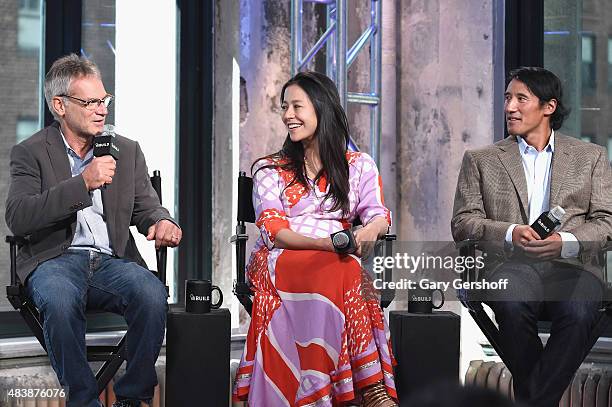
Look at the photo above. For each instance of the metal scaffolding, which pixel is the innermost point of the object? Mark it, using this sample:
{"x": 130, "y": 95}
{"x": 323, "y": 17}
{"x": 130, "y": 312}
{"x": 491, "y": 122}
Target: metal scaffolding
{"x": 339, "y": 58}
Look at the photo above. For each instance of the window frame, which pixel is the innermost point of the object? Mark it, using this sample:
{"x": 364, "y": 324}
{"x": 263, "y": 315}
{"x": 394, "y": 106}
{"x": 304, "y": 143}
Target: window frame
{"x": 195, "y": 129}
{"x": 195, "y": 92}
{"x": 62, "y": 35}
{"x": 524, "y": 29}
{"x": 609, "y": 61}
{"x": 591, "y": 85}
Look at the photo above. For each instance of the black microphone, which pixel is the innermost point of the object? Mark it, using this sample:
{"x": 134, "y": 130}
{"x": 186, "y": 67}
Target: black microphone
{"x": 344, "y": 241}
{"x": 104, "y": 144}
{"x": 548, "y": 222}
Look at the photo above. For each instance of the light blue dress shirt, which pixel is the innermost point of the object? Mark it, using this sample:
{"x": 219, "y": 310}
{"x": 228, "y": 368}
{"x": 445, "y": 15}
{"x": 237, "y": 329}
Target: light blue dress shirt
{"x": 91, "y": 231}
{"x": 537, "y": 167}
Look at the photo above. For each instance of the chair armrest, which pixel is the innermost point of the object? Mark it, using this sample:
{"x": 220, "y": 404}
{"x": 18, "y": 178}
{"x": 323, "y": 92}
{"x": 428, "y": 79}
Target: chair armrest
{"x": 389, "y": 237}
{"x": 467, "y": 243}
{"x": 14, "y": 242}
{"x": 18, "y": 240}
{"x": 161, "y": 256}
{"x": 387, "y": 295}
{"x": 14, "y": 291}
{"x": 607, "y": 303}
{"x": 467, "y": 248}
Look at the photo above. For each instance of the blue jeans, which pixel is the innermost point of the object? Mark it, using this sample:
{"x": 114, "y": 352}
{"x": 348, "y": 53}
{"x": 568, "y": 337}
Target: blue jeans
{"x": 62, "y": 289}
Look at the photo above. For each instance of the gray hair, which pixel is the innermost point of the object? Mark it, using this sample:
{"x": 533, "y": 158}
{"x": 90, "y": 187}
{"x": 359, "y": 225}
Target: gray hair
{"x": 61, "y": 74}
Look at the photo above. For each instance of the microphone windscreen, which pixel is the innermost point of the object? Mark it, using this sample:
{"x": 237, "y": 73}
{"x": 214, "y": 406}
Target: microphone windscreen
{"x": 548, "y": 222}
{"x": 341, "y": 240}
{"x": 104, "y": 144}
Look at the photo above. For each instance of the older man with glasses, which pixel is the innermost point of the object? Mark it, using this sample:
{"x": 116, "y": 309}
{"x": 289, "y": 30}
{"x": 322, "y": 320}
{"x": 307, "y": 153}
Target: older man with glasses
{"x": 80, "y": 253}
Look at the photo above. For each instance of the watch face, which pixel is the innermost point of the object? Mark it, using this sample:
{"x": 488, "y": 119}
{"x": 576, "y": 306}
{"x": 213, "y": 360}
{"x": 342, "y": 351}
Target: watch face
{"x": 340, "y": 240}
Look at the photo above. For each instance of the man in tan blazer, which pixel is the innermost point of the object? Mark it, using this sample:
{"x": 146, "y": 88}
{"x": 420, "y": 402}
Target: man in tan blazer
{"x": 501, "y": 190}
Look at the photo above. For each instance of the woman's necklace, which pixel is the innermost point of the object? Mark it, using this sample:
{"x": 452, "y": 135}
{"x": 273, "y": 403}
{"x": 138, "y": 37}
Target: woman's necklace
{"x": 309, "y": 167}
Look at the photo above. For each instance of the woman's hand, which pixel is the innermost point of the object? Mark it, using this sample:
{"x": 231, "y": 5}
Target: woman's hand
{"x": 325, "y": 243}
{"x": 366, "y": 236}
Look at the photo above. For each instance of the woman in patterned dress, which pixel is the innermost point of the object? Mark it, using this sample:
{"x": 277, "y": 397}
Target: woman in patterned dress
{"x": 316, "y": 338}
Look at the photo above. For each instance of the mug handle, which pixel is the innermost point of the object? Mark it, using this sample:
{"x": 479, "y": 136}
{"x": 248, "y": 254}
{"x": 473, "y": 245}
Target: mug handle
{"x": 441, "y": 302}
{"x": 217, "y": 304}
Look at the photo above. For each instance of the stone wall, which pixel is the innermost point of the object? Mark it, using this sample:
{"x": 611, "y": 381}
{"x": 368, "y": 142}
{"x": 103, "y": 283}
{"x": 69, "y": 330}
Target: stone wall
{"x": 437, "y": 101}
{"x": 256, "y": 34}
{"x": 446, "y": 106}
{"x": 226, "y": 51}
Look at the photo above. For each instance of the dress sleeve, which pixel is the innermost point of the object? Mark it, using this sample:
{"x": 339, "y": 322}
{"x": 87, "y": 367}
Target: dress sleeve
{"x": 269, "y": 210}
{"x": 371, "y": 201}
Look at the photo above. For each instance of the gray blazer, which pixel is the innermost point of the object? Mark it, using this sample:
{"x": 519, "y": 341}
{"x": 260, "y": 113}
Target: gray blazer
{"x": 492, "y": 191}
{"x": 43, "y": 199}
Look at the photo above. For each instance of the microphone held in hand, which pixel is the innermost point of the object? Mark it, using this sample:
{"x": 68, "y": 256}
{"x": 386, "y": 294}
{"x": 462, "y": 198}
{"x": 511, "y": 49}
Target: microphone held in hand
{"x": 344, "y": 241}
{"x": 105, "y": 143}
{"x": 548, "y": 222}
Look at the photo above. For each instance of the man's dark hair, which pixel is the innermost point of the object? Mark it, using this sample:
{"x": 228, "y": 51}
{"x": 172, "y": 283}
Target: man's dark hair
{"x": 546, "y": 86}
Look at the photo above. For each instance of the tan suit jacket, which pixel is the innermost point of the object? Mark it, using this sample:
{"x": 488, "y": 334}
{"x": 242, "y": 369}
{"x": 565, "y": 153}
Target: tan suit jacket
{"x": 492, "y": 191}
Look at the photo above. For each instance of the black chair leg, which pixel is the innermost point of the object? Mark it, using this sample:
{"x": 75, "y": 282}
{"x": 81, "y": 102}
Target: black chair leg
{"x": 108, "y": 370}
{"x": 33, "y": 323}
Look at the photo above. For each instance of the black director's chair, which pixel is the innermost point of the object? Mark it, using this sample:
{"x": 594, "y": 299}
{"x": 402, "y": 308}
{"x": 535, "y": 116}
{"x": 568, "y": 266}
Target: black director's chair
{"x": 475, "y": 306}
{"x": 246, "y": 214}
{"x": 112, "y": 356}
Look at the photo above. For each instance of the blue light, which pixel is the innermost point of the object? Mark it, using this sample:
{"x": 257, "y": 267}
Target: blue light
{"x": 556, "y": 32}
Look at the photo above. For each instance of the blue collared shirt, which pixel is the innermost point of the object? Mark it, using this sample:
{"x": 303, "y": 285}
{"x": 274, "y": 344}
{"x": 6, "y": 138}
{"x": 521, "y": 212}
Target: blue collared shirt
{"x": 537, "y": 167}
{"x": 91, "y": 231}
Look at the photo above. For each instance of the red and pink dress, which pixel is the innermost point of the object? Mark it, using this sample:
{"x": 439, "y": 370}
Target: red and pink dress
{"x": 315, "y": 336}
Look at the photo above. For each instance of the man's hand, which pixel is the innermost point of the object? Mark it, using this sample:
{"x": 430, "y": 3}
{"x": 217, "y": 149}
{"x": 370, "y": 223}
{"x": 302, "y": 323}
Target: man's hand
{"x": 165, "y": 233}
{"x": 522, "y": 235}
{"x": 547, "y": 249}
{"x": 100, "y": 171}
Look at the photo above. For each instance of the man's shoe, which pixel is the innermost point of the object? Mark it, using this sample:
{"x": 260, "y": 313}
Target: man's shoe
{"x": 127, "y": 403}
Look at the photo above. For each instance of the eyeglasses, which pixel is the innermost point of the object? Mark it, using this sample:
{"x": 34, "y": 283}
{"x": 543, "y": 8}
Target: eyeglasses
{"x": 92, "y": 104}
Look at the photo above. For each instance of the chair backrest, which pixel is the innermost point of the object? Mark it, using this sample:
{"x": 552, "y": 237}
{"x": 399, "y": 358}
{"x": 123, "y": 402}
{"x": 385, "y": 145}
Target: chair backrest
{"x": 246, "y": 212}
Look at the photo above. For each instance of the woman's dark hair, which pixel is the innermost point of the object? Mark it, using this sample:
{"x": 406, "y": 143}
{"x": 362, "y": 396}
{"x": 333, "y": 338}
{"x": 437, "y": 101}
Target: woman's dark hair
{"x": 331, "y": 135}
{"x": 546, "y": 86}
